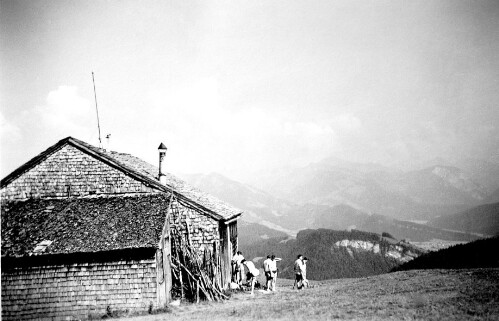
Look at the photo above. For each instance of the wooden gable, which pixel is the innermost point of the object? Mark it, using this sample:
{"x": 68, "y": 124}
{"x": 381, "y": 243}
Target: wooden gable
{"x": 68, "y": 172}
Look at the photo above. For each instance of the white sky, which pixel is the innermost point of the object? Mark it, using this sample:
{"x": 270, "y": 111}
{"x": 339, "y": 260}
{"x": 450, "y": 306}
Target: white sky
{"x": 238, "y": 86}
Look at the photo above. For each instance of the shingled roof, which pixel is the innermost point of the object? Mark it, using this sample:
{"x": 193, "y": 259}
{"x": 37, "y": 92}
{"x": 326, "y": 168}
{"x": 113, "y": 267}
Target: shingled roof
{"x": 142, "y": 171}
{"x": 56, "y": 226}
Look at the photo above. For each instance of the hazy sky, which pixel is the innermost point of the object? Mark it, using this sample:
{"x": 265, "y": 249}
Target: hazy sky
{"x": 237, "y": 86}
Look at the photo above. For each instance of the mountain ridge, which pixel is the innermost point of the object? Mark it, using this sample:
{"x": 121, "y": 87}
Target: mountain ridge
{"x": 420, "y": 194}
{"x": 260, "y": 207}
{"x": 482, "y": 219}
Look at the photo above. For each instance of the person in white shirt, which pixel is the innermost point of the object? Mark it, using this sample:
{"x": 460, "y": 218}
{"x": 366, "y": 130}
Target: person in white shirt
{"x": 237, "y": 267}
{"x": 252, "y": 273}
{"x": 268, "y": 274}
{"x": 298, "y": 268}
{"x": 273, "y": 271}
{"x": 304, "y": 280}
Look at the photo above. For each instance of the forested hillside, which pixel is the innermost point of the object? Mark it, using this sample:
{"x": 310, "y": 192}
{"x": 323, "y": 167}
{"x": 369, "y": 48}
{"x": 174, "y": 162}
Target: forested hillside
{"x": 328, "y": 258}
{"x": 477, "y": 254}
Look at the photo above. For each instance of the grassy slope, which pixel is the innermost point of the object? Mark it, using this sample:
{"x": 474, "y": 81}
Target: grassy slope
{"x": 422, "y": 294}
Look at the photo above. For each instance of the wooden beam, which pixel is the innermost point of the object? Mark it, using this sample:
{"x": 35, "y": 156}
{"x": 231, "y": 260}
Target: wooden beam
{"x": 232, "y": 220}
{"x": 163, "y": 263}
{"x": 160, "y": 280}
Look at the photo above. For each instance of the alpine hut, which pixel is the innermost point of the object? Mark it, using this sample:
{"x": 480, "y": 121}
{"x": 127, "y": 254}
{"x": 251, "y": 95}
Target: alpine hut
{"x": 88, "y": 232}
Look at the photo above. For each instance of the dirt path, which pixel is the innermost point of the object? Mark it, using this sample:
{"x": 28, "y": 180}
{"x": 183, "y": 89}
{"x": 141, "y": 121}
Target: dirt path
{"x": 409, "y": 295}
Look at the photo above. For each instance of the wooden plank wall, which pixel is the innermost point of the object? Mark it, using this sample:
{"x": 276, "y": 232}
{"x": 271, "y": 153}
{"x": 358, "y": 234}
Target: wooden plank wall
{"x": 78, "y": 291}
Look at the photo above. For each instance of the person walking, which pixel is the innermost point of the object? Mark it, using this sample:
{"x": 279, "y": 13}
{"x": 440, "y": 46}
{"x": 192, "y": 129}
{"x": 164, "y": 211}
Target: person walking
{"x": 273, "y": 270}
{"x": 268, "y": 274}
{"x": 298, "y": 268}
{"x": 304, "y": 280}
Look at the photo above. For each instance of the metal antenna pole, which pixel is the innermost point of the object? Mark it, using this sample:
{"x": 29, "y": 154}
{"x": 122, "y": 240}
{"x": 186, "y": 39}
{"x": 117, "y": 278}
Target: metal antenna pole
{"x": 96, "y": 109}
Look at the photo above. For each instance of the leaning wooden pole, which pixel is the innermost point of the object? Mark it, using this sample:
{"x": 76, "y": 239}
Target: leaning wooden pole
{"x": 182, "y": 295}
{"x": 197, "y": 292}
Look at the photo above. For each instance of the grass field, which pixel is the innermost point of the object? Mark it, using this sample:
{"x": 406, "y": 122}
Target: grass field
{"x": 409, "y": 295}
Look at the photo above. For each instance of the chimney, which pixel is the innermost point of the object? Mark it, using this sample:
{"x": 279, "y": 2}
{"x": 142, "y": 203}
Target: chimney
{"x": 162, "y": 152}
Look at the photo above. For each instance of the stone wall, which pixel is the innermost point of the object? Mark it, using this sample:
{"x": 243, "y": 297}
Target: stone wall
{"x": 78, "y": 291}
{"x": 69, "y": 170}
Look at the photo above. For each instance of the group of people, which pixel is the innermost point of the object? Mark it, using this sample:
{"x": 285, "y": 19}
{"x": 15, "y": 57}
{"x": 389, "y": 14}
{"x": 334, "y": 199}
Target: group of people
{"x": 300, "y": 268}
{"x": 239, "y": 263}
{"x": 269, "y": 267}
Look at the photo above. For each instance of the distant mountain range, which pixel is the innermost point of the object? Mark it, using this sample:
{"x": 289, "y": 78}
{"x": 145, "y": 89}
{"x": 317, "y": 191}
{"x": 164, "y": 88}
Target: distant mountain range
{"x": 250, "y": 233}
{"x": 345, "y": 217}
{"x": 259, "y": 206}
{"x": 492, "y": 198}
{"x": 421, "y": 195}
{"x": 485, "y": 173}
{"x": 287, "y": 217}
{"x": 482, "y": 219}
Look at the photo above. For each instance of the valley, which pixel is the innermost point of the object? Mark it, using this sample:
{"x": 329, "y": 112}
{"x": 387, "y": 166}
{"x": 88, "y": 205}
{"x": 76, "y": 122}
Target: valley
{"x": 341, "y": 195}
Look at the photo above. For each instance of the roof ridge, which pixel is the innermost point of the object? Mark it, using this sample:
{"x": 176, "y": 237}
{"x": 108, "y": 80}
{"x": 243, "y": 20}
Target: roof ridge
{"x": 101, "y": 154}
